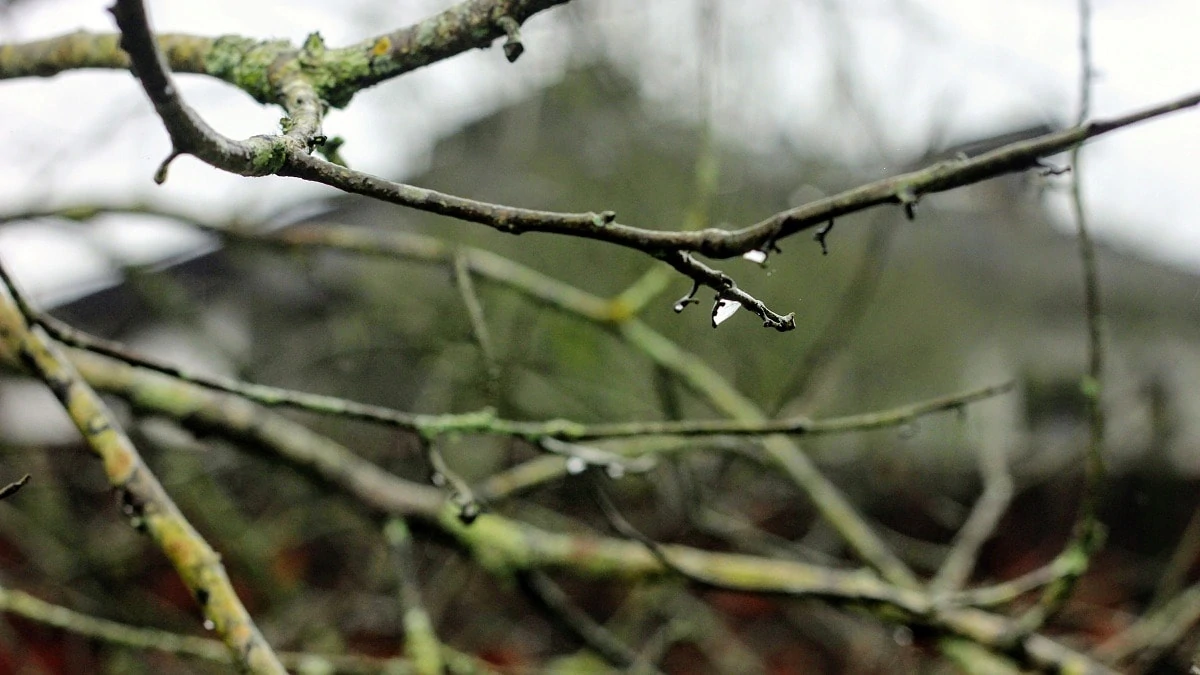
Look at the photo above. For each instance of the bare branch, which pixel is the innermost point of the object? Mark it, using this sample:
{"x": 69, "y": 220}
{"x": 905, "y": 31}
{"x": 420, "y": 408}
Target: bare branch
{"x": 143, "y": 498}
{"x": 134, "y": 637}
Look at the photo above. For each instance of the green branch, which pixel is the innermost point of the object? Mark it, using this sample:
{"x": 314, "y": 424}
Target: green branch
{"x": 142, "y": 497}
{"x": 134, "y": 637}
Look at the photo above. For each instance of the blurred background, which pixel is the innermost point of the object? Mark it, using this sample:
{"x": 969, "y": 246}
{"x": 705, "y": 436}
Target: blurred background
{"x": 674, "y": 114}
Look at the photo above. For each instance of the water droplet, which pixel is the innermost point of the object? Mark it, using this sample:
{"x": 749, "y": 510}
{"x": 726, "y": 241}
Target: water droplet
{"x": 903, "y": 636}
{"x": 723, "y": 310}
{"x": 755, "y": 256}
{"x": 209, "y": 625}
{"x": 576, "y": 466}
{"x": 615, "y": 470}
{"x": 679, "y": 307}
{"x": 468, "y": 513}
{"x": 438, "y": 479}
{"x": 907, "y": 431}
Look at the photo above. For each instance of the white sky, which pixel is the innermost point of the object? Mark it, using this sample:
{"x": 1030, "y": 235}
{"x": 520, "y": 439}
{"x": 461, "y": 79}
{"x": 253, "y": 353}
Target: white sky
{"x": 969, "y": 67}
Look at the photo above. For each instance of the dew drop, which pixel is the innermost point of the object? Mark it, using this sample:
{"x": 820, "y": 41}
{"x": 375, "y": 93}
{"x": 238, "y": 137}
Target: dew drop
{"x": 679, "y": 307}
{"x": 209, "y": 625}
{"x": 903, "y": 636}
{"x": 755, "y": 256}
{"x": 576, "y": 466}
{"x": 615, "y": 470}
{"x": 468, "y": 513}
{"x": 723, "y": 310}
{"x": 907, "y": 431}
{"x": 438, "y": 479}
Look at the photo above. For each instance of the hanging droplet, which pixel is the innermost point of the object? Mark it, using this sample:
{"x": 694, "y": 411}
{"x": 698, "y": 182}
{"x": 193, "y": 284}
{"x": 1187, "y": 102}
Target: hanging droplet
{"x": 755, "y": 256}
{"x": 468, "y": 513}
{"x": 209, "y": 625}
{"x": 679, "y": 307}
{"x": 438, "y": 479}
{"x": 907, "y": 431}
{"x": 615, "y": 470}
{"x": 576, "y": 466}
{"x": 722, "y": 310}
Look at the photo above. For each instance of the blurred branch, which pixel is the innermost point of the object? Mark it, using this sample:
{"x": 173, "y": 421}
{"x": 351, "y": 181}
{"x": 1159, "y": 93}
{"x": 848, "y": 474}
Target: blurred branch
{"x": 456, "y": 487}
{"x": 826, "y": 496}
{"x": 839, "y": 329}
{"x": 974, "y": 659}
{"x": 985, "y": 516}
{"x": 1004, "y": 592}
{"x": 504, "y": 546}
{"x": 421, "y": 642}
{"x": 1087, "y": 536}
{"x": 114, "y": 633}
{"x": 479, "y": 327}
{"x": 485, "y": 421}
{"x": 1156, "y": 631}
{"x": 143, "y": 499}
{"x": 552, "y": 600}
{"x": 13, "y": 487}
{"x": 1179, "y": 566}
{"x": 316, "y": 77}
{"x": 667, "y": 355}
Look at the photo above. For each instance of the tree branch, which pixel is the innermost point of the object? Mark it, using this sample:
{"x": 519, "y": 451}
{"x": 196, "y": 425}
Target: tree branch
{"x": 143, "y": 499}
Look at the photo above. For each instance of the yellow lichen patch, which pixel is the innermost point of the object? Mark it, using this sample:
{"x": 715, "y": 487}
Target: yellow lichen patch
{"x": 382, "y": 46}
{"x": 118, "y": 465}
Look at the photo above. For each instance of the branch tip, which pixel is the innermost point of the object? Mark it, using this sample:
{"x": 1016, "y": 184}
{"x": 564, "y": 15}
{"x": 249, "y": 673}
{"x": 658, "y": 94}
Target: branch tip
{"x": 689, "y": 299}
{"x": 513, "y": 47}
{"x": 160, "y": 174}
{"x": 822, "y": 233}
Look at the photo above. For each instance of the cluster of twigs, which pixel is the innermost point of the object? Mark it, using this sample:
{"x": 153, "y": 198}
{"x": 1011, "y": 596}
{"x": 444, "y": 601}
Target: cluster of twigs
{"x": 305, "y": 81}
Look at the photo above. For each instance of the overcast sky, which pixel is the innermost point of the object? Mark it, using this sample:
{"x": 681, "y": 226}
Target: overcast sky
{"x": 909, "y": 69}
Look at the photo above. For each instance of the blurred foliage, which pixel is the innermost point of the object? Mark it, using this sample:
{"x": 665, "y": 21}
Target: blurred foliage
{"x": 978, "y": 289}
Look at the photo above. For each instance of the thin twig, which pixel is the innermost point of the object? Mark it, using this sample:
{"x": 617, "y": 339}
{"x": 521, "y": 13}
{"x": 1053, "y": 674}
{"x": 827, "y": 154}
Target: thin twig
{"x": 13, "y": 487}
{"x": 1087, "y": 534}
{"x": 485, "y": 422}
{"x": 1155, "y": 632}
{"x": 980, "y": 524}
{"x": 442, "y": 476}
{"x": 479, "y": 327}
{"x": 838, "y": 332}
{"x": 567, "y": 614}
{"x": 508, "y": 545}
{"x": 421, "y": 642}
